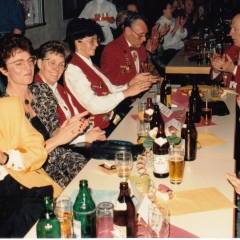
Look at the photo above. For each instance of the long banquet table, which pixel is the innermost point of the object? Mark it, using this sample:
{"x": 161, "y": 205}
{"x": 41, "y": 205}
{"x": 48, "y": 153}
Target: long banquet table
{"x": 181, "y": 65}
{"x": 208, "y": 170}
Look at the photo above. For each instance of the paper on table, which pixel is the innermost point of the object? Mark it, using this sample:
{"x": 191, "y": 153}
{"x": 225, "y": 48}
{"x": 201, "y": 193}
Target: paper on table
{"x": 198, "y": 200}
{"x": 208, "y": 140}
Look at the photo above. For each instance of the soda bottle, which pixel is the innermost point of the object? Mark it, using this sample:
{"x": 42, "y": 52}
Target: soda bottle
{"x": 124, "y": 216}
{"x": 84, "y": 213}
{"x": 48, "y": 225}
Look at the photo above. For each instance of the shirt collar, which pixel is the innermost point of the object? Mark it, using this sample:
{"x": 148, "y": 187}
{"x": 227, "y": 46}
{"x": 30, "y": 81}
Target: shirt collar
{"x": 86, "y": 60}
{"x": 54, "y": 87}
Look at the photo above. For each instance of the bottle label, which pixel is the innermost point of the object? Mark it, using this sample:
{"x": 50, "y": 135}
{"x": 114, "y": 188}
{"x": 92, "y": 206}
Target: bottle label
{"x": 183, "y": 144}
{"x": 76, "y": 229}
{"x": 120, "y": 206}
{"x": 160, "y": 141}
{"x": 160, "y": 164}
{"x": 119, "y": 231}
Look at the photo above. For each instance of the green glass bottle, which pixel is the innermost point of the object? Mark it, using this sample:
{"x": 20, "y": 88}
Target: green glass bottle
{"x": 48, "y": 225}
{"x": 84, "y": 213}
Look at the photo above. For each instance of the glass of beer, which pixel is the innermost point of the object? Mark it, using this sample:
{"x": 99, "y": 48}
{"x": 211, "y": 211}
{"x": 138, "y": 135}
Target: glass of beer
{"x": 206, "y": 115}
{"x": 123, "y": 163}
{"x": 215, "y": 92}
{"x": 62, "y": 207}
{"x": 176, "y": 165}
{"x": 141, "y": 109}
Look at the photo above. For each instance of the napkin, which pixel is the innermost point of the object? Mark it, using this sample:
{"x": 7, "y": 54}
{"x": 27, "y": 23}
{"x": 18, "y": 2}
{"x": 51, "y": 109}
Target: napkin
{"x": 209, "y": 139}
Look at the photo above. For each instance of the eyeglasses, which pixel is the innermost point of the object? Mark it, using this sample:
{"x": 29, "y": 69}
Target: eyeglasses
{"x": 52, "y": 64}
{"x": 21, "y": 63}
{"x": 141, "y": 35}
{"x": 91, "y": 41}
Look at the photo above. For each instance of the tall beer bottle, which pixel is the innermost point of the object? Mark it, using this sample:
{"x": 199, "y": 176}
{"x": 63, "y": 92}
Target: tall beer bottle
{"x": 156, "y": 117}
{"x": 168, "y": 95}
{"x": 148, "y": 114}
{"x": 190, "y": 139}
{"x": 160, "y": 154}
{"x": 162, "y": 91}
{"x": 124, "y": 216}
{"x": 84, "y": 213}
{"x": 183, "y": 133}
{"x": 195, "y": 104}
{"x": 48, "y": 225}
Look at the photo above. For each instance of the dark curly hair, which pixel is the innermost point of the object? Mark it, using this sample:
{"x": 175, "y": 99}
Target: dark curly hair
{"x": 11, "y": 43}
{"x": 53, "y": 47}
{"x": 79, "y": 28}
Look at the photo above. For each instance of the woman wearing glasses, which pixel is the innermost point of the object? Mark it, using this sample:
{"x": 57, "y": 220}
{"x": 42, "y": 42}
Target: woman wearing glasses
{"x": 40, "y": 105}
{"x": 86, "y": 83}
{"x": 51, "y": 62}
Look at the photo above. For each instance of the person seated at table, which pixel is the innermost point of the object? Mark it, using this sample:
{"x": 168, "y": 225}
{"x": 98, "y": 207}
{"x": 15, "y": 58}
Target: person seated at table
{"x": 173, "y": 39}
{"x": 125, "y": 57}
{"x": 51, "y": 63}
{"x": 86, "y": 83}
{"x": 23, "y": 182}
{"x": 229, "y": 62}
{"x": 188, "y": 12}
{"x": 235, "y": 181}
{"x": 17, "y": 65}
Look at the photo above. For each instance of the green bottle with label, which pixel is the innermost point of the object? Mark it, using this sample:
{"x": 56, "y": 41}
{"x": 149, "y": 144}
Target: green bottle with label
{"x": 84, "y": 213}
{"x": 48, "y": 225}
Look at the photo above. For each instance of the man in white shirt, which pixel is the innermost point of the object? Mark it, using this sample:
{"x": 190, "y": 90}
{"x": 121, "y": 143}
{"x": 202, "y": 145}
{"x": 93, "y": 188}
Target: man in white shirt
{"x": 100, "y": 7}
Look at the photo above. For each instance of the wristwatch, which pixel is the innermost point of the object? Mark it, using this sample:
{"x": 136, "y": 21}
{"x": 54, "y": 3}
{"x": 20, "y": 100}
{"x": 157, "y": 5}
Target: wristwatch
{"x": 6, "y": 159}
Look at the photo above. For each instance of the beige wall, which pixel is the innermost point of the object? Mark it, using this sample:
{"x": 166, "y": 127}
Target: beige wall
{"x": 55, "y": 26}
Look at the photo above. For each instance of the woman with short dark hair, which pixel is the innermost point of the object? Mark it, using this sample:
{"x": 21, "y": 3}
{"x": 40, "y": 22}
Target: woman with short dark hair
{"x": 17, "y": 65}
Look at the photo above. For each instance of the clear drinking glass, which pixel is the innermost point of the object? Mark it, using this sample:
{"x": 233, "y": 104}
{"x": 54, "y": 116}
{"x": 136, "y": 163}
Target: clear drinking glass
{"x": 141, "y": 109}
{"x": 123, "y": 163}
{"x": 105, "y": 220}
{"x": 158, "y": 220}
{"x": 62, "y": 207}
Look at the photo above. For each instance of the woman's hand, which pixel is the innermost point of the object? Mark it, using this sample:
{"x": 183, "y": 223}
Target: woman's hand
{"x": 95, "y": 134}
{"x": 232, "y": 178}
{"x": 71, "y": 128}
{"x": 164, "y": 30}
{"x": 3, "y": 158}
{"x": 143, "y": 78}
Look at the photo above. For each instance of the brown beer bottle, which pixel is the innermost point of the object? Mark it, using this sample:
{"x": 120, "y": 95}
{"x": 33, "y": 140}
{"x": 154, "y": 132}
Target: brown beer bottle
{"x": 168, "y": 95}
{"x": 156, "y": 117}
{"x": 124, "y": 216}
{"x": 160, "y": 154}
{"x": 190, "y": 139}
{"x": 162, "y": 91}
{"x": 148, "y": 117}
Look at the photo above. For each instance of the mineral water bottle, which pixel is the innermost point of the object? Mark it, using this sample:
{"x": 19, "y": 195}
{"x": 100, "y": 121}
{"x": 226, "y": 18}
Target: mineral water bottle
{"x": 84, "y": 213}
{"x": 48, "y": 225}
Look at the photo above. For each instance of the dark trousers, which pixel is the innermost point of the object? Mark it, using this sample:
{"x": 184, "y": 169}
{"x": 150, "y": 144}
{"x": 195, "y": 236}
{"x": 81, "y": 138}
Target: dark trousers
{"x": 20, "y": 207}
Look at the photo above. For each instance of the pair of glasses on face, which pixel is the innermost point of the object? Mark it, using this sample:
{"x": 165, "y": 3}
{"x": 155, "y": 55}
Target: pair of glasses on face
{"x": 52, "y": 64}
{"x": 141, "y": 35}
{"x": 92, "y": 41}
{"x": 21, "y": 63}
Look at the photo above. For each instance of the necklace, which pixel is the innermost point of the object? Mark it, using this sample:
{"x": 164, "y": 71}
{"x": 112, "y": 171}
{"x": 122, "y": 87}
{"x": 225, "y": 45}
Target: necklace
{"x": 26, "y": 101}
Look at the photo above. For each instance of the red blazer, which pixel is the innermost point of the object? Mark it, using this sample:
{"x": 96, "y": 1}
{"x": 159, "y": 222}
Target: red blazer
{"x": 64, "y": 96}
{"x": 117, "y": 61}
{"x": 232, "y": 51}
